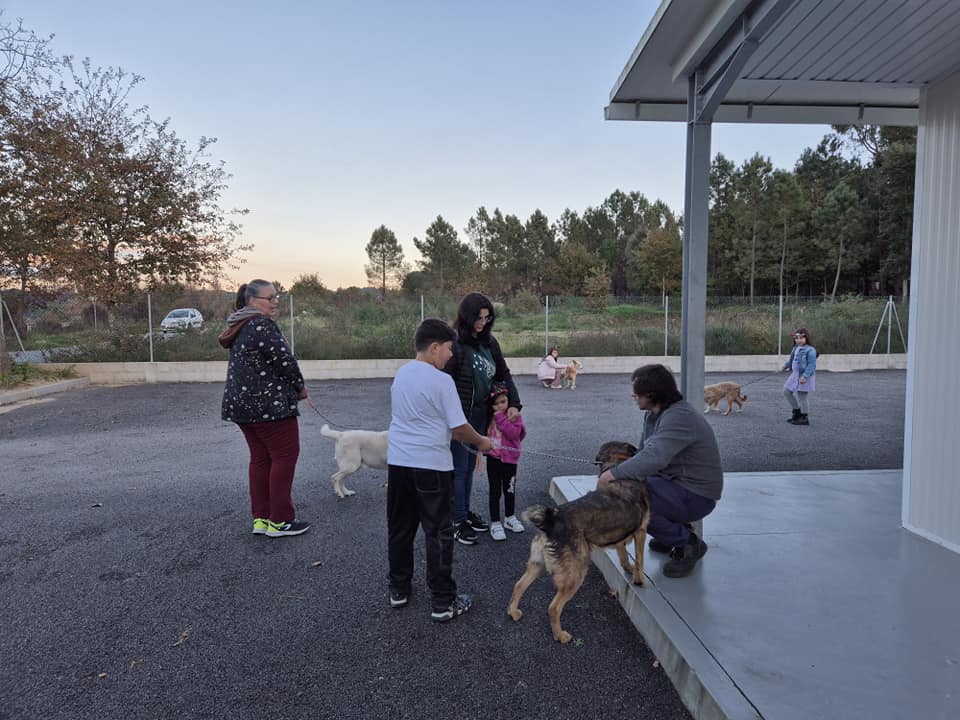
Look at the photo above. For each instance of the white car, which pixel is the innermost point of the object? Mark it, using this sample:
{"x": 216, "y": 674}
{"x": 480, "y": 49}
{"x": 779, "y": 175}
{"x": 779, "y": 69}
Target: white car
{"x": 181, "y": 319}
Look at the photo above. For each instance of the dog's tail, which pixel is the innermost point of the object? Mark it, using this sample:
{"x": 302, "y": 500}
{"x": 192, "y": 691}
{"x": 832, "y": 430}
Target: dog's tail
{"x": 541, "y": 516}
{"x": 325, "y": 430}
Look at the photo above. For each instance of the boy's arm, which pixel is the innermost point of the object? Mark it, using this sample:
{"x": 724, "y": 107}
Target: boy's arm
{"x": 466, "y": 434}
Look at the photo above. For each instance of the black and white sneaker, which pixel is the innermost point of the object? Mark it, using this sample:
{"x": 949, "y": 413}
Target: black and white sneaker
{"x": 464, "y": 534}
{"x": 477, "y": 522}
{"x": 460, "y": 604}
{"x": 296, "y": 527}
{"x": 398, "y": 598}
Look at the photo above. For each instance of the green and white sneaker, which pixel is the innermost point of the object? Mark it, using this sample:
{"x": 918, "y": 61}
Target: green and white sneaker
{"x": 260, "y": 526}
{"x": 296, "y": 527}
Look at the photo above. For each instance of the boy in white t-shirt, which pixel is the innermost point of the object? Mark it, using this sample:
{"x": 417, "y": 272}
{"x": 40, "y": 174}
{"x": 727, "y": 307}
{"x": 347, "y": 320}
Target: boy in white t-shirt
{"x": 425, "y": 413}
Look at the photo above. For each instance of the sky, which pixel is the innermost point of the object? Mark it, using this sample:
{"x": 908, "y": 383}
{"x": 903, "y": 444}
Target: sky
{"x": 334, "y": 117}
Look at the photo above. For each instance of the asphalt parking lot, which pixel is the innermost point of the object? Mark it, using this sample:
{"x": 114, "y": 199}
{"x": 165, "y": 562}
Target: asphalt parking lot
{"x": 130, "y": 585}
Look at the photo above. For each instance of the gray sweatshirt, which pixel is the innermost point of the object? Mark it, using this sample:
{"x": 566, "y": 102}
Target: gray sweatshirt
{"x": 678, "y": 444}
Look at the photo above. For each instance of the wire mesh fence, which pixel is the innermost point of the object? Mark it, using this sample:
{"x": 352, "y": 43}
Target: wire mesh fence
{"x": 183, "y": 326}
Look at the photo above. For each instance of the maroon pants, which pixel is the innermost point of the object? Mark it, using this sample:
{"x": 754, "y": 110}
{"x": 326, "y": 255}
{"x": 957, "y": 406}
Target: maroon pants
{"x": 274, "y": 449}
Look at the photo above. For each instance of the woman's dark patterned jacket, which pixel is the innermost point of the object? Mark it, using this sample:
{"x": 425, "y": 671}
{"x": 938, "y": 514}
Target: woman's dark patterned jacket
{"x": 263, "y": 378}
{"x": 460, "y": 367}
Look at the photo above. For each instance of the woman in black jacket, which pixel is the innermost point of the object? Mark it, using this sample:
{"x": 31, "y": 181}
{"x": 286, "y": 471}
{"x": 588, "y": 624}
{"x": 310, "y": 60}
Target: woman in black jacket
{"x": 264, "y": 385}
{"x": 476, "y": 364}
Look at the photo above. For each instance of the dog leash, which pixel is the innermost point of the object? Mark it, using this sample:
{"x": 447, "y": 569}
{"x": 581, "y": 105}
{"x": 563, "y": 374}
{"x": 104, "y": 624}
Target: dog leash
{"x": 762, "y": 377}
{"x": 329, "y": 421}
{"x": 532, "y": 452}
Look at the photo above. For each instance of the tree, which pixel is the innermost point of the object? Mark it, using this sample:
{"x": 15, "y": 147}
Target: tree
{"x": 542, "y": 242}
{"x": 841, "y": 229}
{"x": 386, "y": 259}
{"x": 135, "y": 205}
{"x": 660, "y": 259}
{"x": 480, "y": 231}
{"x": 445, "y": 258}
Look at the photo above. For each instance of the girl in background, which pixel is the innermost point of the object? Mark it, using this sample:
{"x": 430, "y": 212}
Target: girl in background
{"x": 802, "y": 365}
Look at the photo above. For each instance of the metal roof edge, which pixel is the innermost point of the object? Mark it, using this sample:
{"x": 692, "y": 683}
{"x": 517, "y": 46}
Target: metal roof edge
{"x": 647, "y": 34}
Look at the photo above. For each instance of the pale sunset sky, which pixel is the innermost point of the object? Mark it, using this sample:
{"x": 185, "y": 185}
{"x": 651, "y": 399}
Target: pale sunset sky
{"x": 335, "y": 117}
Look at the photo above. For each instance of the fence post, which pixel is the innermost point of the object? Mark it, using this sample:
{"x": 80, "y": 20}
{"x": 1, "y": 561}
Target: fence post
{"x": 546, "y": 327}
{"x": 293, "y": 346}
{"x": 666, "y": 325}
{"x": 780, "y": 328}
{"x": 94, "y": 313}
{"x": 421, "y": 308}
{"x": 150, "y": 324}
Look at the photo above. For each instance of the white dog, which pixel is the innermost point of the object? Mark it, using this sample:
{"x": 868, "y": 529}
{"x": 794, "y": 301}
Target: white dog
{"x": 356, "y": 449}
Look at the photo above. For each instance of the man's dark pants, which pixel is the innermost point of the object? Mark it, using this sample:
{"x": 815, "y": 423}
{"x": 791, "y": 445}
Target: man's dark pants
{"x": 672, "y": 506}
{"x": 425, "y": 498}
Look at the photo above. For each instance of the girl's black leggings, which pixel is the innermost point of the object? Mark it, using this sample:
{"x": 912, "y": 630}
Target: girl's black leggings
{"x": 503, "y": 480}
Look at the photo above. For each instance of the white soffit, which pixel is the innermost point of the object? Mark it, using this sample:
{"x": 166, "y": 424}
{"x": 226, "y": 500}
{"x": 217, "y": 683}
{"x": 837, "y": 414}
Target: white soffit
{"x": 821, "y": 61}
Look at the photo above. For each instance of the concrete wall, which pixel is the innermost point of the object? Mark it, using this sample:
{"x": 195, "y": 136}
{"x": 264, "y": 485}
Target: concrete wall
{"x": 132, "y": 372}
{"x": 931, "y": 493}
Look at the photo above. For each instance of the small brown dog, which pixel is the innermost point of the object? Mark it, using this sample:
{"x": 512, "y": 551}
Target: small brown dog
{"x": 713, "y": 394}
{"x": 609, "y": 516}
{"x": 570, "y": 374}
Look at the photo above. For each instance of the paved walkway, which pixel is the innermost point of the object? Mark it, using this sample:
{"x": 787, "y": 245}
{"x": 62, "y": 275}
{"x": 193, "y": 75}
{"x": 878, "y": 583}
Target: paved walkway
{"x": 812, "y": 602}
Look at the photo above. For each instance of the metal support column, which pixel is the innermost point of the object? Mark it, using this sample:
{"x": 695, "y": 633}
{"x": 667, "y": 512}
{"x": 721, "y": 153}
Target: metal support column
{"x": 693, "y": 308}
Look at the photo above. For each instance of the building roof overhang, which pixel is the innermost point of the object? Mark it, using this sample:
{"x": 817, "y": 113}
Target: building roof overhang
{"x": 789, "y": 61}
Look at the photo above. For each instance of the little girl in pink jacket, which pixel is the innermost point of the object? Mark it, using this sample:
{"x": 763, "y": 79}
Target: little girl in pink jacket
{"x": 506, "y": 436}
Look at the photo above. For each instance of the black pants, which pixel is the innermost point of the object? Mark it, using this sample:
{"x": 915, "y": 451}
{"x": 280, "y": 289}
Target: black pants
{"x": 425, "y": 498}
{"x": 503, "y": 478}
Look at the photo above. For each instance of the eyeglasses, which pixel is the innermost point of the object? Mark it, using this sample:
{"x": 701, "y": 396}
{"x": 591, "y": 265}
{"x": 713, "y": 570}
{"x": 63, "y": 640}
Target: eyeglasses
{"x": 484, "y": 319}
{"x": 269, "y": 298}
{"x": 797, "y": 337}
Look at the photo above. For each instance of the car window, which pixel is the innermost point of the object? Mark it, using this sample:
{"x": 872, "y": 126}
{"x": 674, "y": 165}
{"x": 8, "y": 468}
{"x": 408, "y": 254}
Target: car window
{"x": 178, "y": 313}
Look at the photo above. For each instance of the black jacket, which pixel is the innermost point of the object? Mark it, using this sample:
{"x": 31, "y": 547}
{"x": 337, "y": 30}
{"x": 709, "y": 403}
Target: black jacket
{"x": 263, "y": 378}
{"x": 460, "y": 367}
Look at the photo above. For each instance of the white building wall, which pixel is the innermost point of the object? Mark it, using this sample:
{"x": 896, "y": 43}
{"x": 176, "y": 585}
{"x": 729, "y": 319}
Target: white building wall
{"x": 931, "y": 489}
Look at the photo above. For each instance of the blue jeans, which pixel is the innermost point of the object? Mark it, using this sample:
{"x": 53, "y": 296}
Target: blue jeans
{"x": 463, "y": 464}
{"x": 672, "y": 506}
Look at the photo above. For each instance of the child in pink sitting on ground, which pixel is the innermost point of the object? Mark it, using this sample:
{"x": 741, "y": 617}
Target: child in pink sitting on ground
{"x": 506, "y": 436}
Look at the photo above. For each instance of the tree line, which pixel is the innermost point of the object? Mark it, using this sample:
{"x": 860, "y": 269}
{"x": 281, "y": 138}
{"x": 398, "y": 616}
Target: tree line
{"x": 839, "y": 222}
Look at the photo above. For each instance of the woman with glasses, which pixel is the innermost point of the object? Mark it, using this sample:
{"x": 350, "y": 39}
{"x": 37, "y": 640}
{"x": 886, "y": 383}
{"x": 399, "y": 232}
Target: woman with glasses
{"x": 802, "y": 365}
{"x": 477, "y": 363}
{"x": 264, "y": 385}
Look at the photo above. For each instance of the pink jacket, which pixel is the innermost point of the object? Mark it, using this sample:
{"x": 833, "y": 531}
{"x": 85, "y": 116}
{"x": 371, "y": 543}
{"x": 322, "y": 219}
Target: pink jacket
{"x": 547, "y": 368}
{"x": 504, "y": 434}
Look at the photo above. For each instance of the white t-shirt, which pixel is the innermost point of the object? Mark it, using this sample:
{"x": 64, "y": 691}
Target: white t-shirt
{"x": 425, "y": 407}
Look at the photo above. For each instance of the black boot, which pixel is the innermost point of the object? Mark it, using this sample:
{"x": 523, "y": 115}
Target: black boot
{"x": 801, "y": 420}
{"x": 793, "y": 418}
{"x": 684, "y": 559}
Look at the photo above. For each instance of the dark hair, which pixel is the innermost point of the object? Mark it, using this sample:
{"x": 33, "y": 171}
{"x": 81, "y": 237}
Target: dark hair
{"x": 657, "y": 382}
{"x": 551, "y": 352}
{"x": 248, "y": 291}
{"x": 496, "y": 390}
{"x": 432, "y": 331}
{"x": 803, "y": 331}
{"x": 467, "y": 315}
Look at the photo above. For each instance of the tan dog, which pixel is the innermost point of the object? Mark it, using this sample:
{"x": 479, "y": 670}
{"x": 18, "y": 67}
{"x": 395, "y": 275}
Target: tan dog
{"x": 610, "y": 516}
{"x": 355, "y": 449}
{"x": 713, "y": 394}
{"x": 570, "y": 374}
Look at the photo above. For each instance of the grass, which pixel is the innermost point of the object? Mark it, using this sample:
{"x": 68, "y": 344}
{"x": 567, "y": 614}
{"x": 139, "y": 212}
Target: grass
{"x": 24, "y": 373}
{"x": 368, "y": 328}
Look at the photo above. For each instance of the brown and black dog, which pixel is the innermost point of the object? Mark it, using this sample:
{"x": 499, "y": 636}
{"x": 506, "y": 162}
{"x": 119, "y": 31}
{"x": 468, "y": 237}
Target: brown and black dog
{"x": 610, "y": 516}
{"x": 713, "y": 394}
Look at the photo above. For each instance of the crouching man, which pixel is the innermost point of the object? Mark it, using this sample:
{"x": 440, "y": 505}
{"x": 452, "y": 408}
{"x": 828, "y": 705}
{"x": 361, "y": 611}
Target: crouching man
{"x": 680, "y": 461}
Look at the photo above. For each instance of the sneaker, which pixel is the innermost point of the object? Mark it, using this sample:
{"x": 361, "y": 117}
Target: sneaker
{"x": 477, "y": 522}
{"x": 460, "y": 604}
{"x": 398, "y": 598}
{"x": 259, "y": 526}
{"x": 513, "y": 524}
{"x": 464, "y": 534}
{"x": 658, "y": 547}
{"x": 296, "y": 527}
{"x": 684, "y": 559}
{"x": 497, "y": 532}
